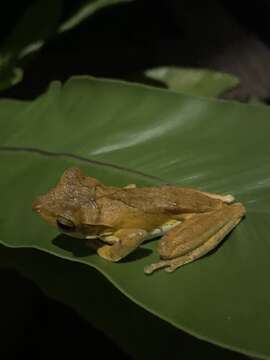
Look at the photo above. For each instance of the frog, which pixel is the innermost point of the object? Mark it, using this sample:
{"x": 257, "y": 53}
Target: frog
{"x": 116, "y": 220}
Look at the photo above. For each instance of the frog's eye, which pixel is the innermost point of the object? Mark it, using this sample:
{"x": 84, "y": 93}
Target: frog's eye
{"x": 65, "y": 224}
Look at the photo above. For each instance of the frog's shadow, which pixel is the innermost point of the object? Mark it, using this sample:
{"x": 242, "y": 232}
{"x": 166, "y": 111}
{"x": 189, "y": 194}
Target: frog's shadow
{"x": 75, "y": 246}
{"x": 139, "y": 253}
{"x": 79, "y": 248}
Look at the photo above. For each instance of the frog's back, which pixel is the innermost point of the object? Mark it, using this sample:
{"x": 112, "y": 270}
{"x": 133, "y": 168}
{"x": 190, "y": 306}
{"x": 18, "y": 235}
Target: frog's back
{"x": 167, "y": 200}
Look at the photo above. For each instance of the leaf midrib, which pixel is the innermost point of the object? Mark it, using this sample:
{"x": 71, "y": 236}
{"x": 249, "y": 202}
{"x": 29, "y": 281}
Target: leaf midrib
{"x": 46, "y": 153}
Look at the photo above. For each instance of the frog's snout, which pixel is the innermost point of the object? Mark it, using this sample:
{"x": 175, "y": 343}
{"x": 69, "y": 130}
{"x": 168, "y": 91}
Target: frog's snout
{"x": 36, "y": 205}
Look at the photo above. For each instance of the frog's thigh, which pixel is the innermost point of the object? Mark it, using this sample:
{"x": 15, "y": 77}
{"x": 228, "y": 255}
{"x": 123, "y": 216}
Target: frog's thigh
{"x": 226, "y": 218}
{"x": 128, "y": 241}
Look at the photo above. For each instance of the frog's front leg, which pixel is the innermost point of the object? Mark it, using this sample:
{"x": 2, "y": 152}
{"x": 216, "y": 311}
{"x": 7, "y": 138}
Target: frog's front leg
{"x": 196, "y": 236}
{"x": 125, "y": 241}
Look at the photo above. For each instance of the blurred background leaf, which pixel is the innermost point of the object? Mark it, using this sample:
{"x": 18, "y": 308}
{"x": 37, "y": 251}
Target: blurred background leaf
{"x": 196, "y": 82}
{"x": 109, "y": 43}
{"x": 10, "y": 75}
{"x": 41, "y": 21}
{"x": 86, "y": 9}
{"x": 36, "y": 25}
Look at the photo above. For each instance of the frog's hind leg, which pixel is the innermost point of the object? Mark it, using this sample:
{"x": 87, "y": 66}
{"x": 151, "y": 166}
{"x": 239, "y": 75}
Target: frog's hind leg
{"x": 171, "y": 265}
{"x": 196, "y": 237}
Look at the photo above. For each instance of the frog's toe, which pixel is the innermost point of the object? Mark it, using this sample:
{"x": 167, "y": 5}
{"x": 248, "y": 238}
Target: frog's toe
{"x": 176, "y": 264}
{"x": 168, "y": 265}
{"x": 149, "y": 269}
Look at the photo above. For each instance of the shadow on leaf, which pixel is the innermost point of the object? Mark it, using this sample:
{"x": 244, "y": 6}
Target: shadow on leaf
{"x": 136, "y": 255}
{"x": 77, "y": 247}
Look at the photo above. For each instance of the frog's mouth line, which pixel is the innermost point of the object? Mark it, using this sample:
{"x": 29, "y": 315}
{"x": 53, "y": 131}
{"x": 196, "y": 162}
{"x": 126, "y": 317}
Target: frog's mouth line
{"x": 83, "y": 159}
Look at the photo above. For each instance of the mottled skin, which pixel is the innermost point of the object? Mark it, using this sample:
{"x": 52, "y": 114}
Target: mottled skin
{"x": 117, "y": 220}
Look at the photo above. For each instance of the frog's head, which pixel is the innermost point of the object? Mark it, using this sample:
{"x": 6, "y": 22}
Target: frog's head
{"x": 70, "y": 206}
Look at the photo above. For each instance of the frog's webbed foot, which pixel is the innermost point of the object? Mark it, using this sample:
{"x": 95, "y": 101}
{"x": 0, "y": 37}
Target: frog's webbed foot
{"x": 125, "y": 241}
{"x": 195, "y": 237}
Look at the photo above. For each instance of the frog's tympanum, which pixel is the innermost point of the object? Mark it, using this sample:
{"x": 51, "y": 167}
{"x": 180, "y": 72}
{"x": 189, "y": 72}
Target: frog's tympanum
{"x": 117, "y": 220}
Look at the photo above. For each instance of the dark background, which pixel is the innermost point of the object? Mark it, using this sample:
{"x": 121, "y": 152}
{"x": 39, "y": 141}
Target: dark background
{"x": 122, "y": 41}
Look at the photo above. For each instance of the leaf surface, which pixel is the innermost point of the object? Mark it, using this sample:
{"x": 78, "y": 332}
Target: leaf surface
{"x": 128, "y": 130}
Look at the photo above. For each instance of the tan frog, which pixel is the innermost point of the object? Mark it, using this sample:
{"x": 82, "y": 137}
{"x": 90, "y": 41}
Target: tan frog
{"x": 118, "y": 220}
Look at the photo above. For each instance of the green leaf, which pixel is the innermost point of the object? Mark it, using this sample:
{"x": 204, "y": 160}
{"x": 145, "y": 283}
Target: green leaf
{"x": 199, "y": 82}
{"x": 126, "y": 129}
